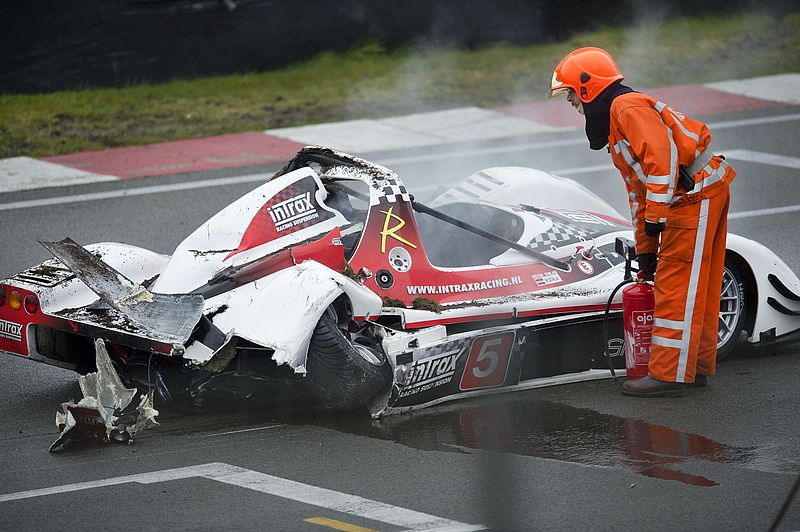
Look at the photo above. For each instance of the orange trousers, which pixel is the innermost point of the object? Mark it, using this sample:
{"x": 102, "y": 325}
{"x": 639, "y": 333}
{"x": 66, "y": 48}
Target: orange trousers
{"x": 688, "y": 283}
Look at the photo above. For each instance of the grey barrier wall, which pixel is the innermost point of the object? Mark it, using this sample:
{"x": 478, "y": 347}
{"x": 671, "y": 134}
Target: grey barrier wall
{"x": 52, "y": 45}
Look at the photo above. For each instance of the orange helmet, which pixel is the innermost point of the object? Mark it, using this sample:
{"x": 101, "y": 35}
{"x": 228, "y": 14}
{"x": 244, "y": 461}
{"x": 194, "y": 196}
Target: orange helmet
{"x": 587, "y": 71}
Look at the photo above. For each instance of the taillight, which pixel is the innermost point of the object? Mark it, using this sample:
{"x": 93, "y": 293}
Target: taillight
{"x": 31, "y": 304}
{"x": 2, "y": 295}
{"x": 15, "y": 300}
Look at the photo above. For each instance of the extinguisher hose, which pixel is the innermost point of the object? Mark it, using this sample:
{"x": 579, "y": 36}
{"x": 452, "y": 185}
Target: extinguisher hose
{"x": 605, "y": 324}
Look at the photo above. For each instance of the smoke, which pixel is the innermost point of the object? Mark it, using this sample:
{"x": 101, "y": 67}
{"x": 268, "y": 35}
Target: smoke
{"x": 662, "y": 46}
{"x": 654, "y": 43}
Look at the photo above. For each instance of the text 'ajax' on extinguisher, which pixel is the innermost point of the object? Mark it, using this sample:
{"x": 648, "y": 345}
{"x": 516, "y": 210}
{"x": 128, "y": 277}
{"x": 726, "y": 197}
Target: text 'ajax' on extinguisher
{"x": 638, "y": 314}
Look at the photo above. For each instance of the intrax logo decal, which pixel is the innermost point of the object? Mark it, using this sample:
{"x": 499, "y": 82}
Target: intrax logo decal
{"x": 293, "y": 211}
{"x": 11, "y": 330}
{"x": 432, "y": 372}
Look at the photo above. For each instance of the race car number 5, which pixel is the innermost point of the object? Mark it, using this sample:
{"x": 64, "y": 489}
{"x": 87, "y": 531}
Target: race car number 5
{"x": 488, "y": 360}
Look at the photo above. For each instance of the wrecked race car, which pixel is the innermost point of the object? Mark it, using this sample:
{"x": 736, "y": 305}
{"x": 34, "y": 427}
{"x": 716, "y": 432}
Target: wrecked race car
{"x": 331, "y": 282}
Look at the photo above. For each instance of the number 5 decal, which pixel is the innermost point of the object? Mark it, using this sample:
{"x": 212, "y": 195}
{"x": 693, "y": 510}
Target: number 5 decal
{"x": 487, "y": 363}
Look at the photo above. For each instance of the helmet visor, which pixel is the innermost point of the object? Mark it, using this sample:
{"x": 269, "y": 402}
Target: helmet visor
{"x": 558, "y": 93}
{"x": 557, "y": 88}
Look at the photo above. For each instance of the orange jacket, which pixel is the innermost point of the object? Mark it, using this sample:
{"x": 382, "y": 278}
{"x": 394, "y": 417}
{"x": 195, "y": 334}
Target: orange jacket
{"x": 648, "y": 141}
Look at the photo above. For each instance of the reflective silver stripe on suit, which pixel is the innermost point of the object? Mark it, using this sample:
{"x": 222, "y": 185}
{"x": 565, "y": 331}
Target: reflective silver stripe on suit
{"x": 691, "y": 295}
{"x": 626, "y": 155}
{"x": 634, "y": 205}
{"x": 700, "y": 161}
{"x": 658, "y": 180}
{"x": 666, "y": 342}
{"x": 669, "y": 324}
{"x": 655, "y": 196}
{"x": 673, "y": 164}
{"x": 695, "y": 137}
{"x": 712, "y": 178}
{"x": 673, "y": 151}
{"x": 660, "y": 106}
{"x": 621, "y": 148}
{"x": 634, "y": 208}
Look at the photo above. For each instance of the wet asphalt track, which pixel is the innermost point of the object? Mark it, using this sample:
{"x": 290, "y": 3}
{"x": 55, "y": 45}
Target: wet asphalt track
{"x": 573, "y": 457}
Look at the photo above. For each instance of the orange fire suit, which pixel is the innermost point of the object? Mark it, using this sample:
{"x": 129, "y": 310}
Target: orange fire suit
{"x": 648, "y": 142}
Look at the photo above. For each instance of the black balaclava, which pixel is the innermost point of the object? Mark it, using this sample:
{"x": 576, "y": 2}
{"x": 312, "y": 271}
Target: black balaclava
{"x": 598, "y": 115}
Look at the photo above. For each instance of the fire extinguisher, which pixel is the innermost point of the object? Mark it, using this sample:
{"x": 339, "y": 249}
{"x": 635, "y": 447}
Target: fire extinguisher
{"x": 638, "y": 306}
{"x": 638, "y": 314}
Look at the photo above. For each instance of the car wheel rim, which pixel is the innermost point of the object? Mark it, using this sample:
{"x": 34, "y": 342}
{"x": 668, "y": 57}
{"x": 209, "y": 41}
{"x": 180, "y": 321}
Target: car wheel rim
{"x": 366, "y": 354}
{"x": 730, "y": 308}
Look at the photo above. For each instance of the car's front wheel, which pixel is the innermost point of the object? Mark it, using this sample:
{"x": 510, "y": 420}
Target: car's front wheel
{"x": 344, "y": 369}
{"x": 732, "y": 310}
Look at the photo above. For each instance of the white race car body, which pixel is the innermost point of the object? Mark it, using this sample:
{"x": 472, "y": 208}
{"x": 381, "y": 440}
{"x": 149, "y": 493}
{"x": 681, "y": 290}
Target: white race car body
{"x": 254, "y": 291}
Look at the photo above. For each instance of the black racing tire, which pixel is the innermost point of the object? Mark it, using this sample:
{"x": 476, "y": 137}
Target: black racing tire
{"x": 344, "y": 373}
{"x": 732, "y": 310}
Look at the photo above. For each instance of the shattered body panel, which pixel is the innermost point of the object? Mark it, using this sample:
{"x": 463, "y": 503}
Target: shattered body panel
{"x": 329, "y": 279}
{"x": 104, "y": 408}
{"x": 279, "y": 311}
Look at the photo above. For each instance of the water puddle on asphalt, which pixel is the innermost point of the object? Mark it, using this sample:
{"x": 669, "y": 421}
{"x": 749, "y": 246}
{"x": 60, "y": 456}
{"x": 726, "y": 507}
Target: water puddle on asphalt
{"x": 544, "y": 429}
{"x": 525, "y": 426}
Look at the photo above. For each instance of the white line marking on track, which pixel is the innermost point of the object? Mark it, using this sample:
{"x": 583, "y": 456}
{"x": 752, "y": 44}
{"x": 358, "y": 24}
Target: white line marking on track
{"x": 139, "y": 191}
{"x": 779, "y": 87}
{"x": 579, "y": 141}
{"x": 202, "y": 183}
{"x": 763, "y": 158}
{"x": 483, "y": 151}
{"x": 280, "y": 487}
{"x": 242, "y": 430}
{"x": 26, "y": 173}
{"x": 763, "y": 212}
{"x": 757, "y": 121}
{"x": 741, "y": 154}
{"x": 209, "y": 183}
{"x": 34, "y": 166}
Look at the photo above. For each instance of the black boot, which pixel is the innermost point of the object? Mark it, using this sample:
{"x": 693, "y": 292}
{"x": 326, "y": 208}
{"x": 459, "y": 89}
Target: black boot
{"x": 650, "y": 387}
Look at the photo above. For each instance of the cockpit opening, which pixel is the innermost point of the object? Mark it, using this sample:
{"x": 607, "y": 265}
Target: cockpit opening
{"x": 350, "y": 198}
{"x": 450, "y": 246}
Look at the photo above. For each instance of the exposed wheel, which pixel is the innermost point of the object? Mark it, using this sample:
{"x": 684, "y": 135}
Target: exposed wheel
{"x": 732, "y": 310}
{"x": 345, "y": 370}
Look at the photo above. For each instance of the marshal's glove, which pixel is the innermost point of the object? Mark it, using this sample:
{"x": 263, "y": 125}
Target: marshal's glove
{"x": 653, "y": 228}
{"x": 647, "y": 264}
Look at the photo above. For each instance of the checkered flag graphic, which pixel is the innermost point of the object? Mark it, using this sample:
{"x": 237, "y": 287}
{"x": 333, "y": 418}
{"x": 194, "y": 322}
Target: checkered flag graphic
{"x": 558, "y": 235}
{"x": 393, "y": 191}
{"x": 432, "y": 351}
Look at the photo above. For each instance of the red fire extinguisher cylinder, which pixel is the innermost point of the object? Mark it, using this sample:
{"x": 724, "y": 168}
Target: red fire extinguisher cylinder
{"x": 638, "y": 313}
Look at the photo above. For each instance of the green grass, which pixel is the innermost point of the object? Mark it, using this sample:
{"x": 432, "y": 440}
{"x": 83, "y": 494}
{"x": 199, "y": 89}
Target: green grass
{"x": 369, "y": 81}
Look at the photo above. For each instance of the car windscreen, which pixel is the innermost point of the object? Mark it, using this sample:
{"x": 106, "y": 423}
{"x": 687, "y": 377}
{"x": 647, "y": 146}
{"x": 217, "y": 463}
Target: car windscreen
{"x": 450, "y": 246}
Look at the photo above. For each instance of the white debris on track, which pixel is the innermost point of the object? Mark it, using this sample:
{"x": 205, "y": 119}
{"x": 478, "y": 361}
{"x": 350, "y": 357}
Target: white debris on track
{"x": 103, "y": 414}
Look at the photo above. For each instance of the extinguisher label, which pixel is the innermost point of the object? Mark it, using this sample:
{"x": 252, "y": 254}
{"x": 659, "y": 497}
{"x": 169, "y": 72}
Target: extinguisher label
{"x": 642, "y": 335}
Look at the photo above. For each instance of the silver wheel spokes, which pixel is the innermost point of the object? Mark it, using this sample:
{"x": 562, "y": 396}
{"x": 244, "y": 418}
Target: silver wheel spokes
{"x": 729, "y": 307}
